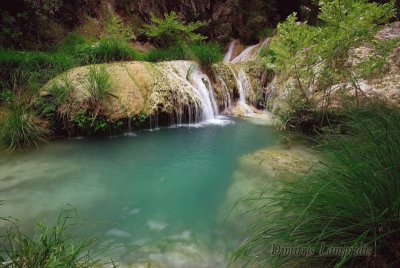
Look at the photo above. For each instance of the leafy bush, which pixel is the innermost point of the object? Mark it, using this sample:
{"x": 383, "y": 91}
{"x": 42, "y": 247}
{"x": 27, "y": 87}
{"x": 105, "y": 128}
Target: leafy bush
{"x": 352, "y": 199}
{"x": 171, "y": 32}
{"x": 50, "y": 246}
{"x": 317, "y": 58}
{"x": 116, "y": 29}
{"x": 18, "y": 127}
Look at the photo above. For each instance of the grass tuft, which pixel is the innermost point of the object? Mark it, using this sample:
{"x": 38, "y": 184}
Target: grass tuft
{"x": 98, "y": 84}
{"x": 18, "y": 127}
{"x": 204, "y": 54}
{"x": 108, "y": 50}
{"x": 352, "y": 199}
{"x": 50, "y": 246}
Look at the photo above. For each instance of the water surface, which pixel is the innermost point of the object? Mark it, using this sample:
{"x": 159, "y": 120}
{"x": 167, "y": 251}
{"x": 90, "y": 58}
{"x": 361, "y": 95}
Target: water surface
{"x": 153, "y": 196}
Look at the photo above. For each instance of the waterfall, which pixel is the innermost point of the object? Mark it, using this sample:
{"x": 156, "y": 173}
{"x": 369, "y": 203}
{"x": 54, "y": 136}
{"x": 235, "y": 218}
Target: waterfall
{"x": 228, "y": 55}
{"x": 246, "y": 55}
{"x": 204, "y": 91}
{"x": 243, "y": 85}
{"x": 250, "y": 53}
{"x": 226, "y": 96}
{"x": 184, "y": 92}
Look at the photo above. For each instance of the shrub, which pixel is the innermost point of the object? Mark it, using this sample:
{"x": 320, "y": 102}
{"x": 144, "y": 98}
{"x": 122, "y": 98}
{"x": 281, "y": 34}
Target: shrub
{"x": 317, "y": 58}
{"x": 171, "y": 32}
{"x": 352, "y": 199}
{"x": 18, "y": 127}
{"x": 50, "y": 246}
{"x": 116, "y": 29}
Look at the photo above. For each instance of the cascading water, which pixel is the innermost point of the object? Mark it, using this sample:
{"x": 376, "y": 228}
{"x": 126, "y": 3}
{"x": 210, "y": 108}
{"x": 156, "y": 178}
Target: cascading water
{"x": 245, "y": 55}
{"x": 226, "y": 96}
{"x": 193, "y": 98}
{"x": 250, "y": 53}
{"x": 203, "y": 89}
{"x": 228, "y": 55}
{"x": 243, "y": 85}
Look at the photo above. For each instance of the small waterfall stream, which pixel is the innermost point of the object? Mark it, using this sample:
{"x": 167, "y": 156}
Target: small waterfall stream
{"x": 190, "y": 93}
{"x": 204, "y": 91}
{"x": 250, "y": 53}
{"x": 245, "y": 55}
{"x": 243, "y": 85}
{"x": 228, "y": 55}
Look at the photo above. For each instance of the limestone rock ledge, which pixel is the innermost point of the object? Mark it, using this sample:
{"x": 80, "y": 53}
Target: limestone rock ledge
{"x": 261, "y": 170}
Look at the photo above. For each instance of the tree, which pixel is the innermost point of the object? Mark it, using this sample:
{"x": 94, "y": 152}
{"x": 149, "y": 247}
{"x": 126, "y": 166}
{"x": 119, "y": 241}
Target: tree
{"x": 317, "y": 58}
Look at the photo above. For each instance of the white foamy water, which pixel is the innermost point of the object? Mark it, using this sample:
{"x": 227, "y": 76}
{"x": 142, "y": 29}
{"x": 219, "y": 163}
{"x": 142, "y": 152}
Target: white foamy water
{"x": 228, "y": 55}
{"x": 205, "y": 92}
{"x": 250, "y": 53}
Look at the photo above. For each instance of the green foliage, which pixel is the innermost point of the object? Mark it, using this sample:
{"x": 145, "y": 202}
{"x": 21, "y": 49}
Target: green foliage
{"x": 375, "y": 64}
{"x": 72, "y": 42}
{"x": 89, "y": 123}
{"x": 112, "y": 46}
{"x": 141, "y": 118}
{"x": 351, "y": 199}
{"x": 314, "y": 59}
{"x": 171, "y": 32}
{"x": 117, "y": 30}
{"x": 108, "y": 50}
{"x": 204, "y": 54}
{"x": 58, "y": 94}
{"x": 32, "y": 24}
{"x": 32, "y": 68}
{"x": 17, "y": 125}
{"x": 50, "y": 246}
{"x": 265, "y": 33}
{"x": 98, "y": 84}
{"x": 61, "y": 90}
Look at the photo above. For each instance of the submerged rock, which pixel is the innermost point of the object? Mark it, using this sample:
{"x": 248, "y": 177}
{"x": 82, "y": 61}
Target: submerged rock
{"x": 279, "y": 162}
{"x": 259, "y": 171}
